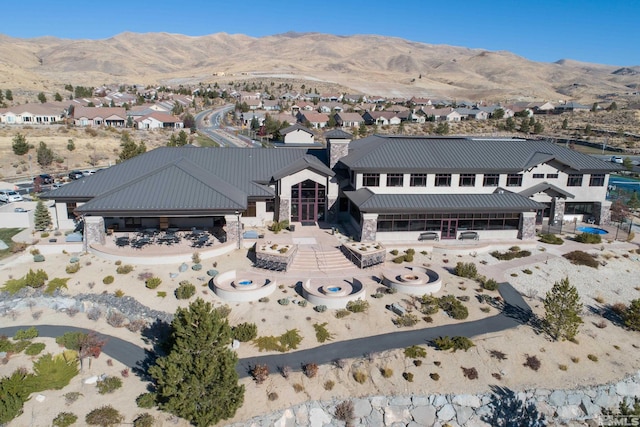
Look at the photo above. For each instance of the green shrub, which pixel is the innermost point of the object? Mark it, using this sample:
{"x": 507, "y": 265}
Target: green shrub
{"x": 104, "y": 416}
{"x": 466, "y": 269}
{"x": 153, "y": 282}
{"x": 144, "y": 420}
{"x": 415, "y": 352}
{"x": 322, "y": 334}
{"x": 394, "y": 252}
{"x": 13, "y": 286}
{"x": 434, "y": 376}
{"x": 124, "y": 269}
{"x": 581, "y": 258}
{"x": 108, "y": 280}
{"x": 71, "y": 340}
{"x": 146, "y": 400}
{"x": 399, "y": 259}
{"x": 406, "y": 320}
{"x": 358, "y": 306}
{"x": 551, "y": 239}
{"x": 64, "y": 419}
{"x": 245, "y": 332}
{"x": 283, "y": 301}
{"x": 53, "y": 372}
{"x": 109, "y": 385}
{"x": 455, "y": 343}
{"x": 510, "y": 254}
{"x": 588, "y": 238}
{"x": 36, "y": 279}
{"x": 360, "y": 377}
{"x": 490, "y": 285}
{"x": 453, "y": 307}
{"x": 161, "y": 294}
{"x": 34, "y": 349}
{"x": 342, "y": 313}
{"x": 38, "y": 258}
{"x": 285, "y": 342}
{"x": 320, "y": 308}
{"x": 26, "y": 334}
{"x": 408, "y": 376}
{"x": 55, "y": 284}
{"x": 631, "y": 315}
{"x": 185, "y": 290}
{"x": 72, "y": 268}
{"x": 386, "y": 372}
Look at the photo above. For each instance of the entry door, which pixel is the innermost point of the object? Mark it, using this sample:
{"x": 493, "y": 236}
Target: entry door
{"x": 308, "y": 211}
{"x": 448, "y": 228}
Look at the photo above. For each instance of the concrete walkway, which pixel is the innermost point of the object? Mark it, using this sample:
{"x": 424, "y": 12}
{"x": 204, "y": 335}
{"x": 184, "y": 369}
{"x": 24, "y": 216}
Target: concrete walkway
{"x": 515, "y": 313}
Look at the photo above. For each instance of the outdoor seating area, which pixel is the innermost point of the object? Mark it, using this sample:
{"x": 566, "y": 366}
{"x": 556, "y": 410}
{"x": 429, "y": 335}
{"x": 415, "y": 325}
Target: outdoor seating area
{"x": 196, "y": 238}
{"x": 468, "y": 235}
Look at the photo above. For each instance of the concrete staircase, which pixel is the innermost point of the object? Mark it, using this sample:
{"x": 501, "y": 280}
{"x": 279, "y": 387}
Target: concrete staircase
{"x": 315, "y": 258}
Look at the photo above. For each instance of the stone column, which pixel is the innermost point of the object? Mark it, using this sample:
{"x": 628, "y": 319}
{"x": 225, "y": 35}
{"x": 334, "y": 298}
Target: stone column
{"x": 233, "y": 229}
{"x": 284, "y": 210}
{"x": 557, "y": 210}
{"x": 94, "y": 232}
{"x": 527, "y": 228}
{"x": 369, "y": 227}
{"x": 602, "y": 213}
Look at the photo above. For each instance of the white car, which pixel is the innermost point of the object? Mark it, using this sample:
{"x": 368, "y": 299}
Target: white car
{"x": 616, "y": 159}
{"x": 8, "y": 196}
{"x": 89, "y": 172}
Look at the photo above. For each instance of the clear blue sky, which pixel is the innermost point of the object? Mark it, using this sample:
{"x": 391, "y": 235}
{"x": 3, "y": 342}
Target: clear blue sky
{"x": 600, "y": 31}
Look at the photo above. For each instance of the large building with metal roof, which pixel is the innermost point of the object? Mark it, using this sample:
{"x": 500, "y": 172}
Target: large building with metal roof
{"x": 387, "y": 188}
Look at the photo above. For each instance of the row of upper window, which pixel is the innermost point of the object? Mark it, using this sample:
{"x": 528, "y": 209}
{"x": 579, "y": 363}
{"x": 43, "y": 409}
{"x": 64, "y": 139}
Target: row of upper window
{"x": 469, "y": 180}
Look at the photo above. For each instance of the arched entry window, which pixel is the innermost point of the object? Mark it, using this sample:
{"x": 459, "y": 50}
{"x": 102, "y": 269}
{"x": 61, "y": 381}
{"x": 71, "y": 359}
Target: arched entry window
{"x": 307, "y": 201}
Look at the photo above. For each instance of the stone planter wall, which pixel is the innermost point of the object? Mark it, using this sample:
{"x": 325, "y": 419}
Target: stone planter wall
{"x": 274, "y": 260}
{"x": 364, "y": 259}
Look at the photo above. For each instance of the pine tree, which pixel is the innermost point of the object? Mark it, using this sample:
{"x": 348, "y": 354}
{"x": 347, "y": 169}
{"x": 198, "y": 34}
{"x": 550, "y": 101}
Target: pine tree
{"x": 20, "y": 145}
{"x": 565, "y": 123}
{"x": 562, "y": 308}
{"x": 129, "y": 148}
{"x": 632, "y": 315}
{"x": 44, "y": 155}
{"x": 41, "y": 217}
{"x": 524, "y": 125}
{"x": 197, "y": 380}
{"x": 634, "y": 202}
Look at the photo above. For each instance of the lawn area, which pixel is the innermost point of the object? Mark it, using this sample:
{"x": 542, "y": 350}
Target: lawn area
{"x": 5, "y": 235}
{"x": 205, "y": 141}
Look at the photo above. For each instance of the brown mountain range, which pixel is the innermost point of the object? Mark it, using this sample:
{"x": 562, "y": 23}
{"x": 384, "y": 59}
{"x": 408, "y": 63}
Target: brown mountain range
{"x": 369, "y": 64}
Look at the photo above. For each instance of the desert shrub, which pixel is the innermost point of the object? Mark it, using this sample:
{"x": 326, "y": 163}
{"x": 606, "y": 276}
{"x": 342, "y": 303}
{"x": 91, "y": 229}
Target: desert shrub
{"x": 64, "y": 419}
{"x": 285, "y": 342}
{"x": 417, "y": 362}
{"x": 119, "y": 293}
{"x": 36, "y": 279}
{"x": 144, "y": 275}
{"x": 386, "y": 372}
{"x": 55, "y": 284}
{"x": 496, "y": 354}
{"x": 94, "y": 313}
{"x": 406, "y": 320}
{"x": 377, "y": 295}
{"x": 264, "y": 299}
{"x": 563, "y": 367}
{"x": 455, "y": 343}
{"x": 588, "y": 238}
{"x": 394, "y": 252}
{"x": 283, "y": 301}
{"x": 342, "y": 313}
{"x": 631, "y": 315}
{"x": 104, "y": 416}
{"x": 415, "y": 352}
{"x": 592, "y": 357}
{"x": 434, "y": 376}
{"x": 310, "y": 369}
{"x": 581, "y": 258}
{"x": 328, "y": 385}
{"x": 144, "y": 420}
{"x": 320, "y": 308}
{"x": 146, "y": 400}
{"x": 399, "y": 259}
{"x": 297, "y": 387}
{"x": 108, "y": 280}
{"x": 245, "y": 332}
{"x": 34, "y": 349}
{"x": 470, "y": 373}
{"x": 532, "y": 362}
{"x": 429, "y": 305}
{"x": 466, "y": 269}
{"x": 124, "y": 269}
{"x": 408, "y": 376}
{"x": 303, "y": 303}
{"x": 53, "y": 372}
{"x": 72, "y": 268}
{"x": 196, "y": 267}
{"x": 358, "y": 306}
{"x": 26, "y": 334}
{"x": 195, "y": 258}
{"x": 153, "y": 282}
{"x": 38, "y": 258}
{"x": 322, "y": 334}
{"x": 551, "y": 239}
{"x": 285, "y": 371}
{"x": 71, "y": 340}
{"x": 185, "y": 290}
{"x": 513, "y": 252}
{"x": 136, "y": 325}
{"x": 273, "y": 396}
{"x": 453, "y": 307}
{"x": 116, "y": 319}
{"x": 71, "y": 397}
{"x": 527, "y": 271}
{"x": 345, "y": 412}
{"x": 260, "y": 373}
{"x": 360, "y": 377}
{"x": 109, "y": 385}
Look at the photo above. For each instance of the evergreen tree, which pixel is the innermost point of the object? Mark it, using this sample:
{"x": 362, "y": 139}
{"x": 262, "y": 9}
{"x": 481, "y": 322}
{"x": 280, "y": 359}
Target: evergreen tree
{"x": 197, "y": 379}
{"x": 565, "y": 123}
{"x": 362, "y": 130}
{"x": 20, "y": 145}
{"x": 632, "y": 315}
{"x": 71, "y": 145}
{"x": 41, "y": 217}
{"x": 612, "y": 107}
{"x": 498, "y": 113}
{"x": 524, "y": 125}
{"x": 189, "y": 122}
{"x": 634, "y": 202}
{"x": 510, "y": 124}
{"x": 538, "y": 127}
{"x": 129, "y": 148}
{"x": 562, "y": 308}
{"x": 42, "y": 97}
{"x": 8, "y": 94}
{"x": 57, "y": 97}
{"x": 44, "y": 155}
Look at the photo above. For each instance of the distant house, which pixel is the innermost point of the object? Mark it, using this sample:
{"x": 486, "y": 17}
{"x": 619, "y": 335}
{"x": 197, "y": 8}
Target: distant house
{"x": 38, "y": 114}
{"x": 297, "y": 134}
{"x": 420, "y": 102}
{"x": 353, "y": 98}
{"x": 254, "y": 104}
{"x": 572, "y": 107}
{"x": 447, "y": 114}
{"x": 100, "y": 116}
{"x": 330, "y": 107}
{"x": 348, "y": 119}
{"x": 316, "y": 120}
{"x": 381, "y": 118}
{"x": 472, "y": 113}
{"x": 271, "y": 105}
{"x": 159, "y": 120}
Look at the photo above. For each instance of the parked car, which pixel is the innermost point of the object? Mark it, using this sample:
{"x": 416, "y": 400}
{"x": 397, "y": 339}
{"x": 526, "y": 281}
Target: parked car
{"x": 8, "y": 196}
{"x": 75, "y": 175}
{"x": 616, "y": 159}
{"x": 89, "y": 172}
{"x": 45, "y": 178}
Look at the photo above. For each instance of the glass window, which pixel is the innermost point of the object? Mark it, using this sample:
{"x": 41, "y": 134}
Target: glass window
{"x": 574, "y": 180}
{"x": 443, "y": 180}
{"x": 514, "y": 180}
{"x": 538, "y": 176}
{"x": 467, "y": 180}
{"x": 552, "y": 176}
{"x": 418, "y": 180}
{"x": 596, "y": 180}
{"x": 371, "y": 179}
{"x": 491, "y": 180}
{"x": 395, "y": 179}
{"x": 270, "y": 205}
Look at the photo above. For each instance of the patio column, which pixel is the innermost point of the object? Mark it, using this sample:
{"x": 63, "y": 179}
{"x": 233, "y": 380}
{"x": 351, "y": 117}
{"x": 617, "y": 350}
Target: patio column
{"x": 284, "y": 209}
{"x": 94, "y": 232}
{"x": 233, "y": 229}
{"x": 556, "y": 215}
{"x": 602, "y": 213}
{"x": 527, "y": 228}
{"x": 369, "y": 227}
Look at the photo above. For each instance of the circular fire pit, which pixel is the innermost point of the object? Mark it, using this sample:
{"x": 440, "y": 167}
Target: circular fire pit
{"x": 412, "y": 280}
{"x": 336, "y": 291}
{"x": 244, "y": 284}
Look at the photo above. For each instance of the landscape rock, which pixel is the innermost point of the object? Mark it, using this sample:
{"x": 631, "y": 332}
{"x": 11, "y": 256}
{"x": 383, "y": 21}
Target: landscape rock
{"x": 424, "y": 415}
{"x": 318, "y": 417}
{"x": 467, "y": 400}
{"x": 463, "y": 414}
{"x": 557, "y": 398}
{"x": 447, "y": 412}
{"x": 396, "y": 414}
{"x": 287, "y": 419}
{"x": 361, "y": 408}
{"x": 569, "y": 412}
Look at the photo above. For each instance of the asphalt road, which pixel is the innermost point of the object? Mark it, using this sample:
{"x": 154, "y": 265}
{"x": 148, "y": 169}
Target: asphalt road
{"x": 516, "y": 313}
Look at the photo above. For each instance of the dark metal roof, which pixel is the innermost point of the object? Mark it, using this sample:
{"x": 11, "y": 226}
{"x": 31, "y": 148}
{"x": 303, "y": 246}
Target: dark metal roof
{"x": 367, "y": 201}
{"x": 337, "y": 134}
{"x": 184, "y": 178}
{"x": 295, "y": 127}
{"x": 545, "y": 187}
{"x": 399, "y": 153}
{"x": 307, "y": 162}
